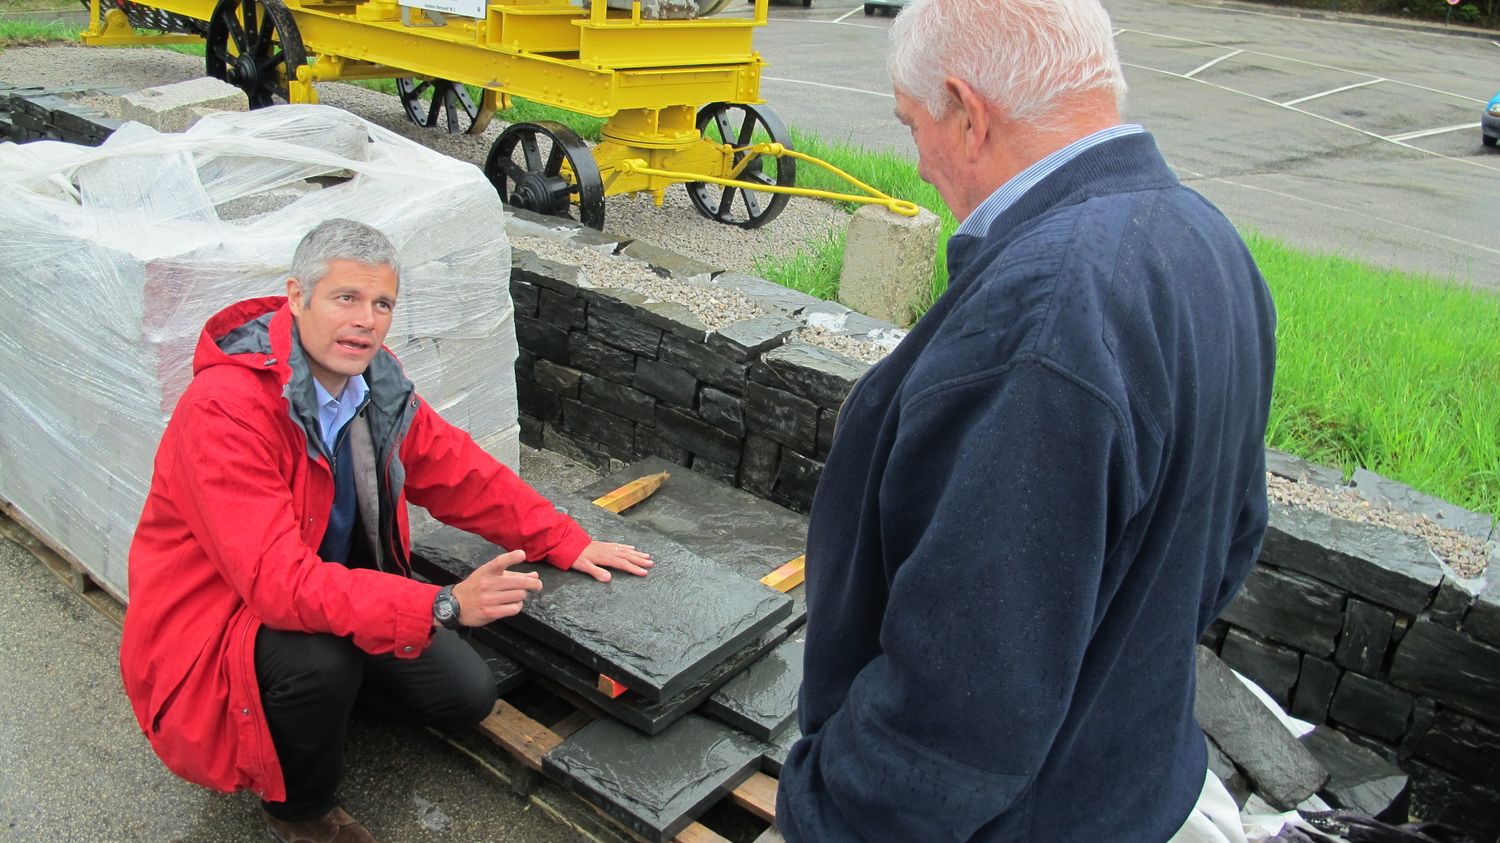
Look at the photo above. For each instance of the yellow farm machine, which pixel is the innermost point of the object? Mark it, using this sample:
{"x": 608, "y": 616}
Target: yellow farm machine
{"x": 679, "y": 88}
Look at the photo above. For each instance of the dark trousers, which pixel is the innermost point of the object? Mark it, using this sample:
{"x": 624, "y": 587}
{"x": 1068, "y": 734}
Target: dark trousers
{"x": 311, "y": 684}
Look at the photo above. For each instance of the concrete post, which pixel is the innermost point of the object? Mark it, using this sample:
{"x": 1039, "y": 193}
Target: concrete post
{"x": 888, "y": 263}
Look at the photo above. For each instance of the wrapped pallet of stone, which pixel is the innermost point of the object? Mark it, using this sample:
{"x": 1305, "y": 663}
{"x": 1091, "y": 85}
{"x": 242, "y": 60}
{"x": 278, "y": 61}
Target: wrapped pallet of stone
{"x": 112, "y": 258}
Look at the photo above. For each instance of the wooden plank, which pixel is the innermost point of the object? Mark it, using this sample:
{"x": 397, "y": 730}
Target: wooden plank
{"x": 518, "y": 734}
{"x": 788, "y": 576}
{"x": 698, "y": 833}
{"x": 572, "y": 723}
{"x": 631, "y": 493}
{"x": 15, "y": 527}
{"x": 758, "y": 796}
{"x": 610, "y": 688}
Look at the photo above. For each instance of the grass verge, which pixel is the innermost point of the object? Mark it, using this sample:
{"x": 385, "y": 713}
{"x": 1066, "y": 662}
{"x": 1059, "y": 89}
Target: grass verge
{"x": 24, "y": 33}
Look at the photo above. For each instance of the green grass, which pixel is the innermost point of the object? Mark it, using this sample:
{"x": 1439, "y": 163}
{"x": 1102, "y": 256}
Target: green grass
{"x": 19, "y": 33}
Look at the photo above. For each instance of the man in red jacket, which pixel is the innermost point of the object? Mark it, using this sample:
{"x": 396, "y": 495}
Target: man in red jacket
{"x": 269, "y": 576}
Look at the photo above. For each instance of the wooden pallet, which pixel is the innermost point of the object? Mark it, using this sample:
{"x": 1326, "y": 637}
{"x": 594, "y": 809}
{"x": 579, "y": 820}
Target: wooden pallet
{"x": 15, "y": 526}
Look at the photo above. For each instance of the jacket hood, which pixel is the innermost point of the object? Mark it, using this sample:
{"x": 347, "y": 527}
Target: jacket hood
{"x": 243, "y": 335}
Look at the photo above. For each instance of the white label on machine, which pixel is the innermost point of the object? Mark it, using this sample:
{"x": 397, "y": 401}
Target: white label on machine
{"x": 466, "y": 8}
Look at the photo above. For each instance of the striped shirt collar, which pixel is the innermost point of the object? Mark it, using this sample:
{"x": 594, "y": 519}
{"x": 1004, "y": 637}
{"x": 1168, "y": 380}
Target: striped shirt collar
{"x": 1009, "y": 193}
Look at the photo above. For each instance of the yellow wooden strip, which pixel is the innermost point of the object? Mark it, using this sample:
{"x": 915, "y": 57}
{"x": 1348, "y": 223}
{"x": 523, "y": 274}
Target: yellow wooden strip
{"x": 758, "y": 796}
{"x": 788, "y": 576}
{"x": 631, "y": 493}
{"x": 610, "y": 688}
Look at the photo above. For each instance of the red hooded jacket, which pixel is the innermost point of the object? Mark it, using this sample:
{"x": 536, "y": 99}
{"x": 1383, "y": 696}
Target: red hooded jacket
{"x": 238, "y": 506}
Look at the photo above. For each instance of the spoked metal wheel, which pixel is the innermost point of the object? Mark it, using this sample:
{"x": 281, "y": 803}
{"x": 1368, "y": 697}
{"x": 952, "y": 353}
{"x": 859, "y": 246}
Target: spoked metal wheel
{"x": 437, "y": 103}
{"x": 546, "y": 168}
{"x": 254, "y": 45}
{"x": 740, "y": 125}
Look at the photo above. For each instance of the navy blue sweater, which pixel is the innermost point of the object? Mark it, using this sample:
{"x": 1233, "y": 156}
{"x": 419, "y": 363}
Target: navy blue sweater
{"x": 1032, "y": 510}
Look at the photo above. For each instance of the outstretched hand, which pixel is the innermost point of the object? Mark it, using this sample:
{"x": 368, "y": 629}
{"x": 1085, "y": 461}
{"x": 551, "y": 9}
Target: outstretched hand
{"x": 598, "y": 557}
{"x": 493, "y": 591}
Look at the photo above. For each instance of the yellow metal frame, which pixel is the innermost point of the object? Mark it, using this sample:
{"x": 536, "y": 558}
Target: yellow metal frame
{"x": 647, "y": 77}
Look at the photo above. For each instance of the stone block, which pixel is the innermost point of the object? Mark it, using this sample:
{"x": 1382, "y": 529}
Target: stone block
{"x": 605, "y": 361}
{"x": 758, "y": 466}
{"x": 817, "y": 374}
{"x": 1451, "y": 668}
{"x": 548, "y": 342}
{"x": 1358, "y": 779}
{"x": 1272, "y": 667}
{"x": 772, "y": 297}
{"x": 715, "y": 470}
{"x": 562, "y": 380}
{"x": 1453, "y": 599}
{"x": 1280, "y": 769}
{"x": 827, "y": 421}
{"x": 638, "y": 712}
{"x": 525, "y": 298}
{"x": 748, "y": 338}
{"x": 888, "y": 263}
{"x": 762, "y": 701}
{"x": 1290, "y": 608}
{"x": 667, "y": 382}
{"x": 538, "y": 403}
{"x": 1423, "y": 713}
{"x": 1383, "y": 491}
{"x": 1234, "y": 780}
{"x": 534, "y": 269}
{"x": 708, "y": 366}
{"x": 1483, "y": 618}
{"x": 778, "y": 747}
{"x": 170, "y": 108}
{"x": 780, "y": 415}
{"x": 1382, "y": 564}
{"x": 656, "y": 785}
{"x": 671, "y": 263}
{"x": 623, "y": 331}
{"x": 697, "y": 436}
{"x": 1440, "y": 796}
{"x": 1371, "y": 706}
{"x": 1285, "y": 465}
{"x": 1366, "y": 636}
{"x": 649, "y": 444}
{"x": 577, "y": 448}
{"x": 615, "y": 434}
{"x": 563, "y": 311}
{"x": 1315, "y": 685}
{"x": 722, "y": 410}
{"x": 619, "y": 628}
{"x": 525, "y": 365}
{"x": 618, "y": 399}
{"x": 1463, "y": 745}
{"x": 796, "y": 480}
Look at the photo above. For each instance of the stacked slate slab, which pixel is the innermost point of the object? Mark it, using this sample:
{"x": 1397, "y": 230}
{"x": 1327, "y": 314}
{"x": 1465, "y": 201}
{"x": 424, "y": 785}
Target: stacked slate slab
{"x": 31, "y": 113}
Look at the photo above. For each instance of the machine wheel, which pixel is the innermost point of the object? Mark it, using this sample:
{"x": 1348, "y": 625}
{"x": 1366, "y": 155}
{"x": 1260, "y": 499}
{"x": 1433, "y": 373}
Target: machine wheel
{"x": 869, "y": 10}
{"x": 741, "y": 125}
{"x": 148, "y": 17}
{"x": 1488, "y": 141}
{"x": 449, "y": 107}
{"x": 254, "y": 45}
{"x": 537, "y": 182}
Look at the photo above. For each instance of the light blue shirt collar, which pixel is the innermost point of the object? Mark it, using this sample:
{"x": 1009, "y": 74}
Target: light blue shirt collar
{"x": 334, "y": 413}
{"x": 978, "y": 223}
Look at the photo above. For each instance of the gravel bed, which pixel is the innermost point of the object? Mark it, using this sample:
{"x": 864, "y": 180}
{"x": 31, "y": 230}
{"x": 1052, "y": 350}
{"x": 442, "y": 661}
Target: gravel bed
{"x": 676, "y": 226}
{"x": 1466, "y": 554}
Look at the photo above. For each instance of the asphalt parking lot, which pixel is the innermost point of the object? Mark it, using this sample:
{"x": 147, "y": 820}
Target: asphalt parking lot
{"x": 1334, "y": 135}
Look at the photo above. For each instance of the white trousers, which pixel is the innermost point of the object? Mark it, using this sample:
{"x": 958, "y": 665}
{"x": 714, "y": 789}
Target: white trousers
{"x": 1215, "y": 819}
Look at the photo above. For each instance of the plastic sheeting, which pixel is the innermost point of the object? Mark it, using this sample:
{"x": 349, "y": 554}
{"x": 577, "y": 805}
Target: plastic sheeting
{"x": 112, "y": 258}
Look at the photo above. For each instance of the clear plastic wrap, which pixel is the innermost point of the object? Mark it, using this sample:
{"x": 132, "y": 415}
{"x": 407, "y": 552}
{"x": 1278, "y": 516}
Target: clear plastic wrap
{"x": 112, "y": 258}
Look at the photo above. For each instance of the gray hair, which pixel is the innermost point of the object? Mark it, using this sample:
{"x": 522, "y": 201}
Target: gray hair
{"x": 339, "y": 239}
{"x": 1019, "y": 54}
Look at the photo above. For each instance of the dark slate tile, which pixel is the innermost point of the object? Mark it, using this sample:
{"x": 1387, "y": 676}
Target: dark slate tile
{"x": 679, "y": 266}
{"x": 731, "y": 526}
{"x": 534, "y": 269}
{"x": 696, "y": 435}
{"x": 1451, "y": 668}
{"x": 780, "y": 415}
{"x": 1483, "y": 619}
{"x": 1371, "y": 706}
{"x": 1423, "y": 714}
{"x": 674, "y": 319}
{"x": 667, "y": 382}
{"x": 769, "y": 295}
{"x": 562, "y": 380}
{"x": 1463, "y": 745}
{"x": 596, "y": 358}
{"x": 656, "y": 785}
{"x": 1382, "y": 491}
{"x": 758, "y": 465}
{"x": 1213, "y": 637}
{"x": 531, "y": 431}
{"x": 623, "y": 331}
{"x": 618, "y": 399}
{"x": 600, "y": 241}
{"x": 564, "y": 311}
{"x": 722, "y": 410}
{"x": 525, "y": 365}
{"x": 1315, "y": 685}
{"x": 1289, "y": 607}
{"x": 619, "y": 628}
{"x": 747, "y": 338}
{"x": 648, "y": 444}
{"x": 1379, "y": 563}
{"x": 648, "y": 716}
{"x": 1358, "y": 779}
{"x": 715, "y": 470}
{"x": 508, "y": 675}
{"x": 615, "y": 433}
{"x": 1281, "y": 769}
{"x": 822, "y": 376}
{"x": 579, "y": 448}
{"x": 1272, "y": 667}
{"x": 545, "y": 341}
{"x": 827, "y": 421}
{"x": 711, "y": 368}
{"x": 1366, "y": 636}
{"x": 778, "y": 748}
{"x": 1454, "y": 598}
{"x": 796, "y": 480}
{"x": 1220, "y": 765}
{"x": 762, "y": 700}
{"x": 1440, "y": 796}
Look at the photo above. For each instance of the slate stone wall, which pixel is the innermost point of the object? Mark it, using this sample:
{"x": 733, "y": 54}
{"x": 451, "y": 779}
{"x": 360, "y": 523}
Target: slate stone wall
{"x": 32, "y": 113}
{"x": 1361, "y": 627}
{"x": 607, "y": 376}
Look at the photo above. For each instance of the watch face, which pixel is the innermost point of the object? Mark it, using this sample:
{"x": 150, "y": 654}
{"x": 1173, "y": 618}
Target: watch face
{"x": 444, "y": 609}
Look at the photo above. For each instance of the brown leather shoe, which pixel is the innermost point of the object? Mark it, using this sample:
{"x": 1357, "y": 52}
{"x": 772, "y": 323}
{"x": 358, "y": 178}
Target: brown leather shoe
{"x": 336, "y": 826}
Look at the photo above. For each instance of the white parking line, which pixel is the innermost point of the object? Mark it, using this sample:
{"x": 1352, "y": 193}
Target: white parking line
{"x": 826, "y": 85}
{"x": 1206, "y": 65}
{"x": 1335, "y": 91}
{"x": 846, "y": 15}
{"x": 827, "y": 22}
{"x": 1427, "y": 133}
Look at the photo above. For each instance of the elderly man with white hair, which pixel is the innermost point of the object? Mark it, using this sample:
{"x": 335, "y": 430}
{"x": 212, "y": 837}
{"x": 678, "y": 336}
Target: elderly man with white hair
{"x": 1036, "y": 505}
